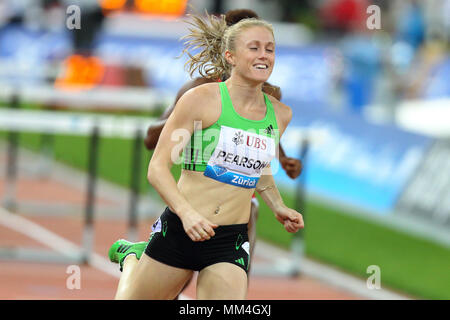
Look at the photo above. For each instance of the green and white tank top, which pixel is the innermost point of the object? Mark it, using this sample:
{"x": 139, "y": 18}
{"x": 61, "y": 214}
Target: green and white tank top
{"x": 234, "y": 150}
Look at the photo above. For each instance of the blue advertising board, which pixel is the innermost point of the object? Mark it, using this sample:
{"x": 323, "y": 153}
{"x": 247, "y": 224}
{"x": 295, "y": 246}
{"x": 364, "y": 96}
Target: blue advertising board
{"x": 354, "y": 161}
{"x": 303, "y": 73}
{"x": 27, "y": 51}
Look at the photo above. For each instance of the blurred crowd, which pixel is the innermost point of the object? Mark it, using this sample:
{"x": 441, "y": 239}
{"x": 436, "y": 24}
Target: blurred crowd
{"x": 396, "y": 62}
{"x": 407, "y": 57}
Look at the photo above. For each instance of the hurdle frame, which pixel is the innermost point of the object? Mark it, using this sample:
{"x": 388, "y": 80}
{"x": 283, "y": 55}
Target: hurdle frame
{"x": 293, "y": 266}
{"x": 9, "y": 200}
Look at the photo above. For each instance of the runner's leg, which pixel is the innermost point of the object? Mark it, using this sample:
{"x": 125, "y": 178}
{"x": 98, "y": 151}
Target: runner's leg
{"x": 222, "y": 281}
{"x": 154, "y": 280}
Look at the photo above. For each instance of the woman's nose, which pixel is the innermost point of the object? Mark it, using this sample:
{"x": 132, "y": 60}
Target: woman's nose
{"x": 263, "y": 54}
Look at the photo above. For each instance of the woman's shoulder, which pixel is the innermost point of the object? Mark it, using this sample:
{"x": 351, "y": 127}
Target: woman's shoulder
{"x": 202, "y": 91}
{"x": 204, "y": 88}
{"x": 283, "y": 113}
{"x": 195, "y": 82}
{"x": 202, "y": 102}
{"x": 192, "y": 83}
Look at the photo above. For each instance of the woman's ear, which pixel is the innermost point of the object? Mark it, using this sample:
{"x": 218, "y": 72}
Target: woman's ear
{"x": 229, "y": 57}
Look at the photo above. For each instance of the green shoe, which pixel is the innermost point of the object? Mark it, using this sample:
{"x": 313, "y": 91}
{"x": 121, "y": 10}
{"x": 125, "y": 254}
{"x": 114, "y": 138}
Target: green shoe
{"x": 122, "y": 248}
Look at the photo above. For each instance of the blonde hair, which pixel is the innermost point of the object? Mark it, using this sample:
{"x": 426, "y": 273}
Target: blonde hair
{"x": 213, "y": 37}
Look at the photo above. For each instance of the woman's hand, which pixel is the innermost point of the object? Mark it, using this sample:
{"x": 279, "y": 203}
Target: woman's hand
{"x": 197, "y": 227}
{"x": 289, "y": 218}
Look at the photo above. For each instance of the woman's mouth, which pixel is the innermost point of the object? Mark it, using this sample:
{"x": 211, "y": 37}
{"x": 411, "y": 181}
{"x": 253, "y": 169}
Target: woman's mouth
{"x": 260, "y": 66}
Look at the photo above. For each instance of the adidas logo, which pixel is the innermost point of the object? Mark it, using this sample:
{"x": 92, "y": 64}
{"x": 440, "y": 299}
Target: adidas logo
{"x": 123, "y": 248}
{"x": 269, "y": 130}
{"x": 240, "y": 261}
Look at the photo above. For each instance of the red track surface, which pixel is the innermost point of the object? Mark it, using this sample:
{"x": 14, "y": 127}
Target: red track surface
{"x": 27, "y": 280}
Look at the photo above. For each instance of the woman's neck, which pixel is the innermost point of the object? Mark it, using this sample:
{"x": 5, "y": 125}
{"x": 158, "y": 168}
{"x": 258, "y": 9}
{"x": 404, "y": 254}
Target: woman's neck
{"x": 244, "y": 94}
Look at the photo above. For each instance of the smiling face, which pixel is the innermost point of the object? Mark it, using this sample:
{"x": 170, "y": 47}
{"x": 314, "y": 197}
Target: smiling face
{"x": 253, "y": 57}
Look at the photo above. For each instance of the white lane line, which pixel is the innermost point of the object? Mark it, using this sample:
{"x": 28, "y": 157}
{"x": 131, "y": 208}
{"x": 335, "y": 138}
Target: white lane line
{"x": 57, "y": 243}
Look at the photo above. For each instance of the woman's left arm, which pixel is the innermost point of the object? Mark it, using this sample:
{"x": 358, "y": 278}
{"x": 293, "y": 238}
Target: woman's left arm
{"x": 266, "y": 187}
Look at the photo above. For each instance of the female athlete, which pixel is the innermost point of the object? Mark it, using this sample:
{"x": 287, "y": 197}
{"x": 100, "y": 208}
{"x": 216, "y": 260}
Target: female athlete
{"x": 204, "y": 227}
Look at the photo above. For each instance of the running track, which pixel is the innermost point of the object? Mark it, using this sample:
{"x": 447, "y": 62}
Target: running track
{"x": 62, "y": 233}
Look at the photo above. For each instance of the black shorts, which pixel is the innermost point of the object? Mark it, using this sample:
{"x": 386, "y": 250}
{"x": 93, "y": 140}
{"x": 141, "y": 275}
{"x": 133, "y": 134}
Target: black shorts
{"x": 170, "y": 245}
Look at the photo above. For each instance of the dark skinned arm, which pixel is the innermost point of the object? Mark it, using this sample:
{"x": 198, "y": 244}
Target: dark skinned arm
{"x": 292, "y": 166}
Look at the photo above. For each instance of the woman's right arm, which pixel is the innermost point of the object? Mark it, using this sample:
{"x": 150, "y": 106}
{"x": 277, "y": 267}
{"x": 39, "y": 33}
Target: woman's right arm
{"x": 189, "y": 109}
{"x": 154, "y": 130}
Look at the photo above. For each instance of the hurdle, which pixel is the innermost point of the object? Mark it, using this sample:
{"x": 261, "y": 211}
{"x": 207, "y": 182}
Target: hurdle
{"x": 292, "y": 266}
{"x": 99, "y": 99}
{"x": 15, "y": 120}
{"x": 298, "y": 240}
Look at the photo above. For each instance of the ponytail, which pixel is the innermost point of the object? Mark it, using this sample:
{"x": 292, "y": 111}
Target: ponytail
{"x": 206, "y": 34}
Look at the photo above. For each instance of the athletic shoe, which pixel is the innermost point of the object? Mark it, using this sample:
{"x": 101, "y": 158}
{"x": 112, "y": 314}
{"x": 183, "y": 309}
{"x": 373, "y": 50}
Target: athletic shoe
{"x": 122, "y": 248}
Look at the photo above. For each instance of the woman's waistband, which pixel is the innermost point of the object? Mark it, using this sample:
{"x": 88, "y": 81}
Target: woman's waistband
{"x": 172, "y": 216}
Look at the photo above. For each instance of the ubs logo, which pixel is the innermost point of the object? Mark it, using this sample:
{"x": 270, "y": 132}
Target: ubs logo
{"x": 257, "y": 143}
{"x": 238, "y": 138}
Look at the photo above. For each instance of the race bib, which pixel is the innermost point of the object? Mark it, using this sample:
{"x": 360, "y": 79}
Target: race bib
{"x": 240, "y": 157}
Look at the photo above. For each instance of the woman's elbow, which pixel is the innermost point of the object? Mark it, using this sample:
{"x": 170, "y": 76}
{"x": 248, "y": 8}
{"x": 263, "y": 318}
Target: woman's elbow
{"x": 155, "y": 172}
{"x": 151, "y": 174}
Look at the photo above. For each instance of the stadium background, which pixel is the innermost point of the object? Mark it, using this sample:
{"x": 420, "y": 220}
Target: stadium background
{"x": 372, "y": 105}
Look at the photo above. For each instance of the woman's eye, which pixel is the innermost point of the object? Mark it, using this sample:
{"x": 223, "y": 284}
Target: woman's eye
{"x": 253, "y": 48}
{"x": 269, "y": 50}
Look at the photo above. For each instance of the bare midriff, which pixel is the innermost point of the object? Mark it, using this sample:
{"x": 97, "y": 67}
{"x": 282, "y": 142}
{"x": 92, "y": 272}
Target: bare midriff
{"x": 220, "y": 203}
